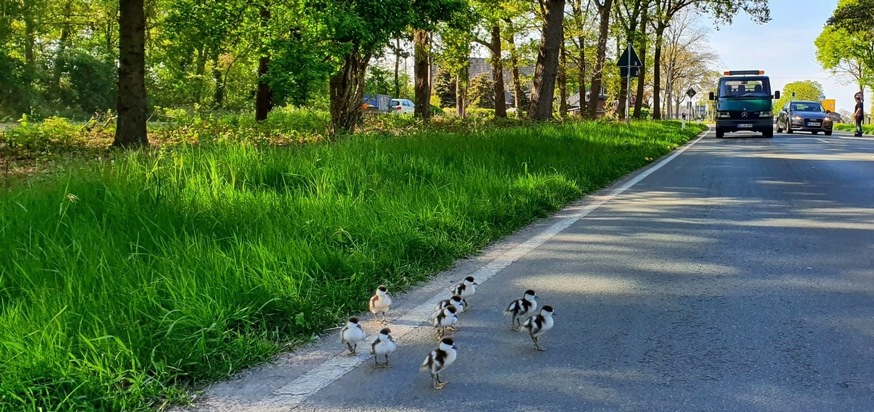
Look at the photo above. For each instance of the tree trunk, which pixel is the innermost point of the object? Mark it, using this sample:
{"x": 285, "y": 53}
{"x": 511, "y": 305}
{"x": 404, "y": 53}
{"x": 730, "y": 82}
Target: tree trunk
{"x": 562, "y": 82}
{"x": 641, "y": 79}
{"x": 498, "y": 73}
{"x": 398, "y": 67}
{"x": 132, "y": 110}
{"x": 264, "y": 96}
{"x": 218, "y": 97}
{"x": 595, "y": 90}
{"x": 461, "y": 84}
{"x": 543, "y": 90}
{"x": 517, "y": 81}
{"x": 422, "y": 110}
{"x": 346, "y": 92}
{"x": 657, "y": 75}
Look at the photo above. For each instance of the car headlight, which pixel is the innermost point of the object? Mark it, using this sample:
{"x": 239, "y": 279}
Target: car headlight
{"x": 799, "y": 118}
{"x": 766, "y": 113}
{"x": 827, "y": 120}
{"x": 724, "y": 115}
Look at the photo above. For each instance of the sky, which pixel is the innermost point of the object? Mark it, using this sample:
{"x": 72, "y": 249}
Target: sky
{"x": 783, "y": 47}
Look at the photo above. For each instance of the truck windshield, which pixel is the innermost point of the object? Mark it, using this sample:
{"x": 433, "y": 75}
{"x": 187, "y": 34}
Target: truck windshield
{"x": 745, "y": 87}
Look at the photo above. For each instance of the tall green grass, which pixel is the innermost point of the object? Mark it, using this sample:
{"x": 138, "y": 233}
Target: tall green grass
{"x": 123, "y": 282}
{"x": 851, "y": 127}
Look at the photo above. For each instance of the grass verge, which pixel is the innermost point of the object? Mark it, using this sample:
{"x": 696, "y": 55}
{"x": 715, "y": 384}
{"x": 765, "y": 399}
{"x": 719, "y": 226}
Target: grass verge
{"x": 125, "y": 281}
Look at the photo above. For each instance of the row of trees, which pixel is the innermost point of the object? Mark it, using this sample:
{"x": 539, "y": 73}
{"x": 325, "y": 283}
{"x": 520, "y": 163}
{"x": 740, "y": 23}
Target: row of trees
{"x": 84, "y": 55}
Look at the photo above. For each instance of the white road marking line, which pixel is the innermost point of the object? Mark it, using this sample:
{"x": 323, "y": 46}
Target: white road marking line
{"x": 824, "y": 141}
{"x": 333, "y": 369}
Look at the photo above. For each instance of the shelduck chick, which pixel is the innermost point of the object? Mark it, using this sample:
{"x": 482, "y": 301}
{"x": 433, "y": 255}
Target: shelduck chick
{"x": 445, "y": 318}
{"x": 380, "y": 302}
{"x": 521, "y": 308}
{"x": 537, "y": 325}
{"x": 466, "y": 288}
{"x": 456, "y": 301}
{"x": 383, "y": 345}
{"x": 439, "y": 359}
{"x": 351, "y": 335}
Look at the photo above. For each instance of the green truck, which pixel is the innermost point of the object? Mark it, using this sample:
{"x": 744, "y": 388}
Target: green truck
{"x": 743, "y": 103}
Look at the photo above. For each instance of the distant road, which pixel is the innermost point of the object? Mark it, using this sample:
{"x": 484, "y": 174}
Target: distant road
{"x": 738, "y": 276}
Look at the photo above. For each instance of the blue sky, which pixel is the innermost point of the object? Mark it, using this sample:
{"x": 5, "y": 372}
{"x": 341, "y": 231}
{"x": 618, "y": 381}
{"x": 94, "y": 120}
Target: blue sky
{"x": 782, "y": 47}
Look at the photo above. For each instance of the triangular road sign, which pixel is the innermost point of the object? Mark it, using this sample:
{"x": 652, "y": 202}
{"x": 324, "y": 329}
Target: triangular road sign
{"x": 629, "y": 58}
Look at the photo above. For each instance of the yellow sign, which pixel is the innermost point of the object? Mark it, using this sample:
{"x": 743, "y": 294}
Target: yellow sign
{"x": 828, "y": 104}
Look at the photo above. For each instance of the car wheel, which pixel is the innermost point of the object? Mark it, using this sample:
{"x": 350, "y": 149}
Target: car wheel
{"x": 788, "y": 126}
{"x": 720, "y": 133}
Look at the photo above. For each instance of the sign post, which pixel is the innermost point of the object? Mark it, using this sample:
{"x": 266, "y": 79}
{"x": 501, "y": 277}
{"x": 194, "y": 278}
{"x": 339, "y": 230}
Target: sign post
{"x": 691, "y": 93}
{"x": 629, "y": 66}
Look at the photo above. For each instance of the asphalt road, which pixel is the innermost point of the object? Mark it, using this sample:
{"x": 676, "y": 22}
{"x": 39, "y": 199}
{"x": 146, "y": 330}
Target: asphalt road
{"x": 738, "y": 276}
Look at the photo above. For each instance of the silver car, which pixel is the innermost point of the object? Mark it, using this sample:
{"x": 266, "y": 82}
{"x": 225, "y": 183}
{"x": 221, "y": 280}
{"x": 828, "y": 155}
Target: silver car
{"x": 804, "y": 115}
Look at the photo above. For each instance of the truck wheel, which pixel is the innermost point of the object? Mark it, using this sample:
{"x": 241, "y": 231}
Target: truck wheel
{"x": 720, "y": 133}
{"x": 828, "y": 133}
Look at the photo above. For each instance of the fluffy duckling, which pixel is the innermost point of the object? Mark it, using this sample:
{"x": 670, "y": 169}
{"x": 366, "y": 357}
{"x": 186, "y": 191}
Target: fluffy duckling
{"x": 383, "y": 345}
{"x": 445, "y": 318}
{"x": 466, "y": 288}
{"x": 456, "y": 301}
{"x": 439, "y": 359}
{"x": 351, "y": 335}
{"x": 537, "y": 325}
{"x": 521, "y": 308}
{"x": 380, "y": 302}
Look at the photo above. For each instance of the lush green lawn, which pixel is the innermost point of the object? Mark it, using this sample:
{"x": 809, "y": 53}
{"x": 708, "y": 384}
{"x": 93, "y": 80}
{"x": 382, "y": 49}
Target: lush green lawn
{"x": 123, "y": 282}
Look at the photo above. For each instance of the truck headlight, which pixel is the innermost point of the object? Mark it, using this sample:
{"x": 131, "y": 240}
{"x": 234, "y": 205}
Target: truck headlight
{"x": 723, "y": 115}
{"x": 766, "y": 113}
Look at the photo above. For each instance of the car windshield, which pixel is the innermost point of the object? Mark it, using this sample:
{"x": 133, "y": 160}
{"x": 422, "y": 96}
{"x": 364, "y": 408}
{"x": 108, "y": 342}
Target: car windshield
{"x": 745, "y": 87}
{"x": 806, "y": 107}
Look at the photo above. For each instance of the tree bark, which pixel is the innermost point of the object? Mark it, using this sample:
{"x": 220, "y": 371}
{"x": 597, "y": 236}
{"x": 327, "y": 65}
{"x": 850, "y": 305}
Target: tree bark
{"x": 397, "y": 67}
{"x": 657, "y": 75}
{"x": 218, "y": 97}
{"x": 498, "y": 73}
{"x": 264, "y": 96}
{"x": 421, "y": 39}
{"x": 62, "y": 46}
{"x": 462, "y": 82}
{"x": 562, "y": 82}
{"x": 517, "y": 81}
{"x": 346, "y": 92}
{"x": 595, "y": 90}
{"x": 641, "y": 79}
{"x": 131, "y": 105}
{"x": 543, "y": 90}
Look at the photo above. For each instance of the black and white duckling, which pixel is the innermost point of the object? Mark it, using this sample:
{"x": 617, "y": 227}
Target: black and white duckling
{"x": 445, "y": 318}
{"x": 439, "y": 359}
{"x": 351, "y": 335}
{"x": 456, "y": 301}
{"x": 380, "y": 302}
{"x": 520, "y": 309}
{"x": 537, "y": 325}
{"x": 383, "y": 345}
{"x": 466, "y": 288}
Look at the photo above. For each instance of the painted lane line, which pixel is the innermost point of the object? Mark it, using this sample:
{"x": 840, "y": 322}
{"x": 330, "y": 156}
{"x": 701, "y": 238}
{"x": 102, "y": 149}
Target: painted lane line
{"x": 334, "y": 368}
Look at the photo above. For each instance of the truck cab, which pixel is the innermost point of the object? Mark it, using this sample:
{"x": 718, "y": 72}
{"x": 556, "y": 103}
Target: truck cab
{"x": 743, "y": 103}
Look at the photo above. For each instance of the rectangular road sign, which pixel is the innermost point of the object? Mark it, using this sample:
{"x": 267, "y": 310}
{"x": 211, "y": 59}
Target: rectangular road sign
{"x": 828, "y": 104}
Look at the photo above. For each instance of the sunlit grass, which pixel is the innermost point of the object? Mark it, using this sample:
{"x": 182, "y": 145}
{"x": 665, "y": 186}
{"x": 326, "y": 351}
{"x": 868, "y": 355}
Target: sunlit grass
{"x": 123, "y": 282}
